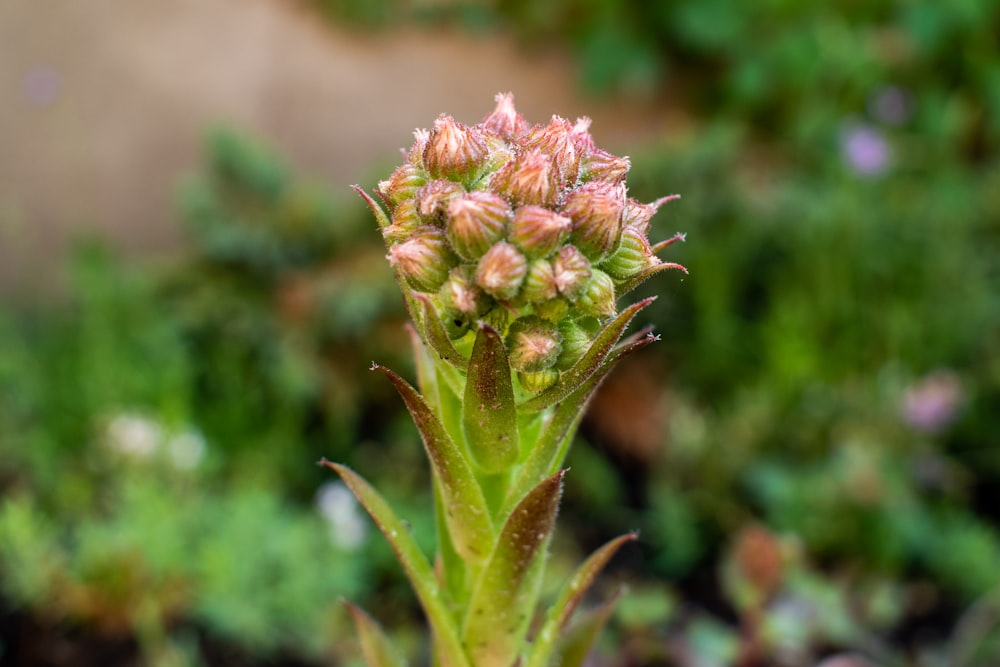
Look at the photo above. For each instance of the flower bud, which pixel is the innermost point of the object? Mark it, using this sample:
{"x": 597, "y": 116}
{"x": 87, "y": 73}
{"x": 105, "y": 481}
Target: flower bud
{"x": 596, "y": 211}
{"x": 536, "y": 383}
{"x": 572, "y": 272}
{"x": 538, "y": 231}
{"x": 505, "y": 121}
{"x": 461, "y": 295}
{"x": 403, "y": 183}
{"x": 533, "y": 344}
{"x": 633, "y": 255}
{"x": 575, "y": 343}
{"x": 540, "y": 282}
{"x": 639, "y": 215}
{"x": 600, "y": 165}
{"x": 530, "y": 178}
{"x": 434, "y": 198}
{"x": 501, "y": 271}
{"x": 454, "y": 151}
{"x": 557, "y": 140}
{"x": 476, "y": 221}
{"x": 424, "y": 260}
{"x": 599, "y": 297}
{"x": 405, "y": 222}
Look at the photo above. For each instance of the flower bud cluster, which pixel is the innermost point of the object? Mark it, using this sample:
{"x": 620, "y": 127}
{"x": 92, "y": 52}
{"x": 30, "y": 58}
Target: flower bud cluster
{"x": 529, "y": 228}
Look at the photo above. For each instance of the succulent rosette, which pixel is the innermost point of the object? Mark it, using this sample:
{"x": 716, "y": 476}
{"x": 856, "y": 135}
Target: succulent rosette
{"x": 512, "y": 244}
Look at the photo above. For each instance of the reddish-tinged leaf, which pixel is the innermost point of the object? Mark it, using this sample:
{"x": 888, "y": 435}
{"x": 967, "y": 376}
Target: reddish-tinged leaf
{"x": 630, "y": 283}
{"x": 375, "y": 645}
{"x": 436, "y": 336}
{"x": 464, "y": 507}
{"x": 576, "y": 645}
{"x": 490, "y": 416}
{"x": 506, "y": 592}
{"x": 380, "y": 215}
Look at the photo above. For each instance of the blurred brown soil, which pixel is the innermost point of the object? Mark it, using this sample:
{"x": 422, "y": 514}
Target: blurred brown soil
{"x": 104, "y": 105}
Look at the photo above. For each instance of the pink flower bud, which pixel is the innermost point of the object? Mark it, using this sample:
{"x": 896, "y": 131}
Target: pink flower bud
{"x": 533, "y": 344}
{"x": 639, "y": 215}
{"x": 572, "y": 272}
{"x": 530, "y": 178}
{"x": 538, "y": 231}
{"x": 424, "y": 260}
{"x": 558, "y": 141}
{"x": 454, "y": 151}
{"x": 460, "y": 293}
{"x": 476, "y": 221}
{"x": 600, "y": 165}
{"x": 403, "y": 183}
{"x": 405, "y": 222}
{"x": 433, "y": 199}
{"x": 599, "y": 297}
{"x": 540, "y": 282}
{"x": 596, "y": 211}
{"x": 501, "y": 271}
{"x": 633, "y": 255}
{"x": 504, "y": 120}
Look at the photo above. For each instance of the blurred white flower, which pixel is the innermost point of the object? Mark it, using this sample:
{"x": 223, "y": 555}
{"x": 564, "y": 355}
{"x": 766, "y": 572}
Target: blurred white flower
{"x": 186, "y": 449}
{"x": 339, "y": 508}
{"x": 865, "y": 149}
{"x": 932, "y": 403}
{"x": 133, "y": 435}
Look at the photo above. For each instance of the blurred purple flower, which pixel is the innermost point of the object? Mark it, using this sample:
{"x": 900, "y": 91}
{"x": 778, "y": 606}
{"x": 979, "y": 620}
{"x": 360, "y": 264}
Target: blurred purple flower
{"x": 891, "y": 104}
{"x": 865, "y": 149}
{"x": 41, "y": 86}
{"x": 932, "y": 403}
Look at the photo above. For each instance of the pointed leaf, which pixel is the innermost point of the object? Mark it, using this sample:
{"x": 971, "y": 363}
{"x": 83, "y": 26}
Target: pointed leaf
{"x": 375, "y": 645}
{"x": 550, "y": 449}
{"x": 588, "y": 364}
{"x": 380, "y": 214}
{"x": 436, "y": 336}
{"x": 577, "y": 644}
{"x": 414, "y": 563}
{"x": 490, "y": 416}
{"x": 464, "y": 507}
{"x": 569, "y": 598}
{"x": 633, "y": 281}
{"x": 505, "y": 594}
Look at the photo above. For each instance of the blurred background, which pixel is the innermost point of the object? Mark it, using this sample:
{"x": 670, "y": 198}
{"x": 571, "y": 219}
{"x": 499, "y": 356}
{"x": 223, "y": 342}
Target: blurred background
{"x": 192, "y": 296}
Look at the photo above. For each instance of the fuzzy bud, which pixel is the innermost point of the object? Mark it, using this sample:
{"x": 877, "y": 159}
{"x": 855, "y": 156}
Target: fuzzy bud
{"x": 461, "y": 295}
{"x": 405, "y": 222}
{"x": 424, "y": 259}
{"x": 403, "y": 184}
{"x": 598, "y": 164}
{"x": 434, "y": 198}
{"x": 599, "y": 297}
{"x": 505, "y": 121}
{"x": 572, "y": 272}
{"x": 575, "y": 343}
{"x": 531, "y": 178}
{"x": 476, "y": 221}
{"x": 538, "y": 231}
{"x": 540, "y": 282}
{"x": 454, "y": 151}
{"x": 638, "y": 215}
{"x": 533, "y": 344}
{"x": 633, "y": 255}
{"x": 596, "y": 211}
{"x": 536, "y": 383}
{"x": 557, "y": 139}
{"x": 501, "y": 271}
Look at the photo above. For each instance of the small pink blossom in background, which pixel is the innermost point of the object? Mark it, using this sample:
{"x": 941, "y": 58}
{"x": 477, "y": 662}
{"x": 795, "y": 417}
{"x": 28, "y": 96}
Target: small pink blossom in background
{"x": 932, "y": 403}
{"x": 865, "y": 149}
{"x": 41, "y": 86}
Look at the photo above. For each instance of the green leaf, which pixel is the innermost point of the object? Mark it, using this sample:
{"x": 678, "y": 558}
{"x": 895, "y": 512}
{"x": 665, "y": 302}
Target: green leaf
{"x": 589, "y": 363}
{"x": 550, "y": 449}
{"x": 375, "y": 645}
{"x": 569, "y": 598}
{"x": 436, "y": 335}
{"x": 490, "y": 416}
{"x": 415, "y": 565}
{"x": 503, "y": 599}
{"x": 576, "y": 645}
{"x": 465, "y": 509}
